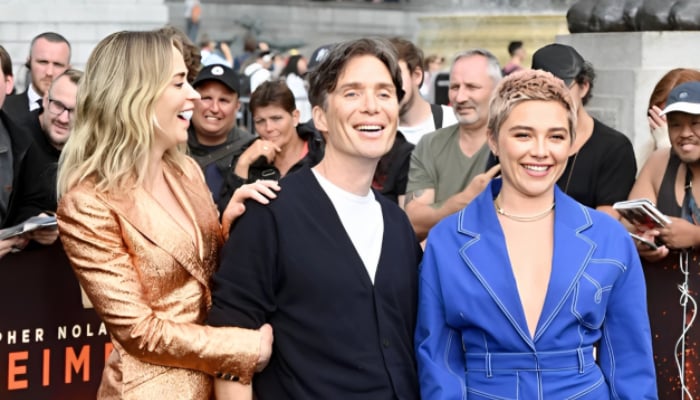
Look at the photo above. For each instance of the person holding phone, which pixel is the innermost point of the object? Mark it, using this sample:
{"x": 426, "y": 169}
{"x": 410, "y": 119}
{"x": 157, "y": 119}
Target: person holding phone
{"x": 517, "y": 289}
{"x": 671, "y": 179}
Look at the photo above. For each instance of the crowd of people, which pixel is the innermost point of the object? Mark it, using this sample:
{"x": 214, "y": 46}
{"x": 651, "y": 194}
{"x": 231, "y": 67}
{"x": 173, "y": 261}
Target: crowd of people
{"x": 360, "y": 242}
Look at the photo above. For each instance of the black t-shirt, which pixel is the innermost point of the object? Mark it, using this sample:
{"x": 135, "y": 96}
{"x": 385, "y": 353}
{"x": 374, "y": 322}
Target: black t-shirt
{"x": 602, "y": 172}
{"x": 604, "y": 169}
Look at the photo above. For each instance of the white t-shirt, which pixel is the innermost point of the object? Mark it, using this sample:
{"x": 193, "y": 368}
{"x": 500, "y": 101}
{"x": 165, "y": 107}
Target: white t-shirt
{"x": 414, "y": 133}
{"x": 210, "y": 58}
{"x": 362, "y": 219}
{"x": 296, "y": 84}
{"x": 257, "y": 74}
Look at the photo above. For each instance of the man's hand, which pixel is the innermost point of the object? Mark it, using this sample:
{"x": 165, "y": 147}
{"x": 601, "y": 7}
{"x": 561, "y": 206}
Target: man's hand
{"x": 46, "y": 236}
{"x": 13, "y": 244}
{"x": 473, "y": 189}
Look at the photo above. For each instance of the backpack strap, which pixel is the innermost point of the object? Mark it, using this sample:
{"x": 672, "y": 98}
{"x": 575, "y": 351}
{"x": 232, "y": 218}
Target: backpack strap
{"x": 436, "y": 109}
{"x": 220, "y": 153}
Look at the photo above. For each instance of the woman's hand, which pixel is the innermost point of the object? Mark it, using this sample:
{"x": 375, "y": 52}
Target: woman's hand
{"x": 259, "y": 148}
{"x": 261, "y": 191}
{"x": 656, "y": 120}
{"x": 679, "y": 234}
{"x": 266, "y": 340}
{"x": 648, "y": 253}
{"x": 658, "y": 128}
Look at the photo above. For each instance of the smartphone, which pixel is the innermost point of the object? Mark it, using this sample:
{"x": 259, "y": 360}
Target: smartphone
{"x": 651, "y": 245}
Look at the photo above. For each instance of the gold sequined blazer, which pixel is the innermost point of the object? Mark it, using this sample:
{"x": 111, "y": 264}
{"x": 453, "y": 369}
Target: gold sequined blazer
{"x": 149, "y": 282}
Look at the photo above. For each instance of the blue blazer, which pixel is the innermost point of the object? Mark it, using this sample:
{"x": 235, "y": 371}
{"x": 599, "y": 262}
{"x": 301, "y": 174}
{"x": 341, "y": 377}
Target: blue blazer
{"x": 472, "y": 339}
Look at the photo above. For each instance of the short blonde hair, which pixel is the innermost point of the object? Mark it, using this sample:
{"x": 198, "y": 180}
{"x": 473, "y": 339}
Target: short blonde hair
{"x": 114, "y": 125}
{"x": 527, "y": 85}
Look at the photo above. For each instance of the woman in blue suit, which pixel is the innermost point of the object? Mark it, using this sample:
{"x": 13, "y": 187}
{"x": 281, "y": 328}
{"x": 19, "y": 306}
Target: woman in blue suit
{"x": 518, "y": 288}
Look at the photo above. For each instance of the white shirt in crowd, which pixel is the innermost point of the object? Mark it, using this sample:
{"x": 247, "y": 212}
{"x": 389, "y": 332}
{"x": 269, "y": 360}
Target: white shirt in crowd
{"x": 414, "y": 133}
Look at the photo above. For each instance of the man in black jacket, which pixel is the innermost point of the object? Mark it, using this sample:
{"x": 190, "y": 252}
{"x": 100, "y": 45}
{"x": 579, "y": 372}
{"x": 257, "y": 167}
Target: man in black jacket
{"x": 14, "y": 144}
{"x": 50, "y": 129}
{"x": 49, "y": 57}
{"x": 330, "y": 263}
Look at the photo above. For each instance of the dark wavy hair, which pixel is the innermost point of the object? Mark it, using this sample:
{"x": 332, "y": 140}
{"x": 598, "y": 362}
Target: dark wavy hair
{"x": 324, "y": 77}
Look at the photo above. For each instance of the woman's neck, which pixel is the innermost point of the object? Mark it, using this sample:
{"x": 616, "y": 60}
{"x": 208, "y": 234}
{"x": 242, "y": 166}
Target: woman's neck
{"x": 515, "y": 203}
{"x": 154, "y": 172}
{"x": 290, "y": 154}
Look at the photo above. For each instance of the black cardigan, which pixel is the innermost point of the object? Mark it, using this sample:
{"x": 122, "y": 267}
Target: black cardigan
{"x": 337, "y": 336}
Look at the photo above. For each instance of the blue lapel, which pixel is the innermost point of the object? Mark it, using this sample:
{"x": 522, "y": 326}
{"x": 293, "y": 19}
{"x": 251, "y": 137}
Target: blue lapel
{"x": 572, "y": 252}
{"x": 485, "y": 254}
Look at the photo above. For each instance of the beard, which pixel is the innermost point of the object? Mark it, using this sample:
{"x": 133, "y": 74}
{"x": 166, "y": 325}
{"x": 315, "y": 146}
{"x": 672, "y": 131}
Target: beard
{"x": 406, "y": 104}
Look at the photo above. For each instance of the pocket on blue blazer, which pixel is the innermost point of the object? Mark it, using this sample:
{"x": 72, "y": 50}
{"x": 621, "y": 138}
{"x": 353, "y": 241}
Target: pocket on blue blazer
{"x": 592, "y": 292}
{"x": 501, "y": 385}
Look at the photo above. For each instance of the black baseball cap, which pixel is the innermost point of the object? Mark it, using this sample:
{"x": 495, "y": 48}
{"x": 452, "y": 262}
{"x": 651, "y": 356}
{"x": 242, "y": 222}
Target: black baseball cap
{"x": 560, "y": 60}
{"x": 220, "y": 73}
{"x": 319, "y": 55}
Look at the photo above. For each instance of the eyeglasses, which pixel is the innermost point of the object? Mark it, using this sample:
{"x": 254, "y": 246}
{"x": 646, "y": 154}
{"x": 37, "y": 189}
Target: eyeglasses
{"x": 57, "y": 108}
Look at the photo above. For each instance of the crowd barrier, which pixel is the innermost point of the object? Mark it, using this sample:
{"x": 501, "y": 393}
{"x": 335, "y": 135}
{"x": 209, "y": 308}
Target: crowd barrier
{"x": 51, "y": 347}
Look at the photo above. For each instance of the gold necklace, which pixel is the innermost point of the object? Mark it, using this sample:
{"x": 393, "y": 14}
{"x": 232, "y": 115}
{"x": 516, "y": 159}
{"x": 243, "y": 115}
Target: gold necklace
{"x": 523, "y": 218}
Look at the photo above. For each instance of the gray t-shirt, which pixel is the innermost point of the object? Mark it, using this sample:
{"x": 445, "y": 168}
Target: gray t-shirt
{"x": 438, "y": 163}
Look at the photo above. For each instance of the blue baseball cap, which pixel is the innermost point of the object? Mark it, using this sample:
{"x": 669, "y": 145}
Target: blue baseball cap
{"x": 684, "y": 98}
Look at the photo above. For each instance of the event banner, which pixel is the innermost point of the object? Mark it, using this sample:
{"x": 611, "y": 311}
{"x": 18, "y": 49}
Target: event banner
{"x": 51, "y": 347}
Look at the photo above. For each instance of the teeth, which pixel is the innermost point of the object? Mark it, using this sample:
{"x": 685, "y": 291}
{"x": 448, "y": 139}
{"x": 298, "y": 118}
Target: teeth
{"x": 369, "y": 128}
{"x": 538, "y": 168}
{"x": 186, "y": 114}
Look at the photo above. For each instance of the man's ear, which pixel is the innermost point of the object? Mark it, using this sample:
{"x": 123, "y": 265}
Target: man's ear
{"x": 585, "y": 87}
{"x": 28, "y": 64}
{"x": 319, "y": 116}
{"x": 418, "y": 76}
{"x": 9, "y": 83}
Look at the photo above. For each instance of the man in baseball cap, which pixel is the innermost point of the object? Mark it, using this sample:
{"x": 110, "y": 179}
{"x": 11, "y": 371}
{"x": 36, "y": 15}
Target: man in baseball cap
{"x": 214, "y": 139}
{"x": 602, "y": 168}
{"x": 560, "y": 60}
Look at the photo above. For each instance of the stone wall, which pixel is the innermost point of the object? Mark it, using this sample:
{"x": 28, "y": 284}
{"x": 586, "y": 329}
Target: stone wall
{"x": 82, "y": 22}
{"x": 628, "y": 65}
{"x": 443, "y": 27}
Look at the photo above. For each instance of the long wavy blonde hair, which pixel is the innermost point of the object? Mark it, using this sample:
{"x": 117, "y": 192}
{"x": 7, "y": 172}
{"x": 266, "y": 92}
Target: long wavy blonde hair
{"x": 114, "y": 125}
